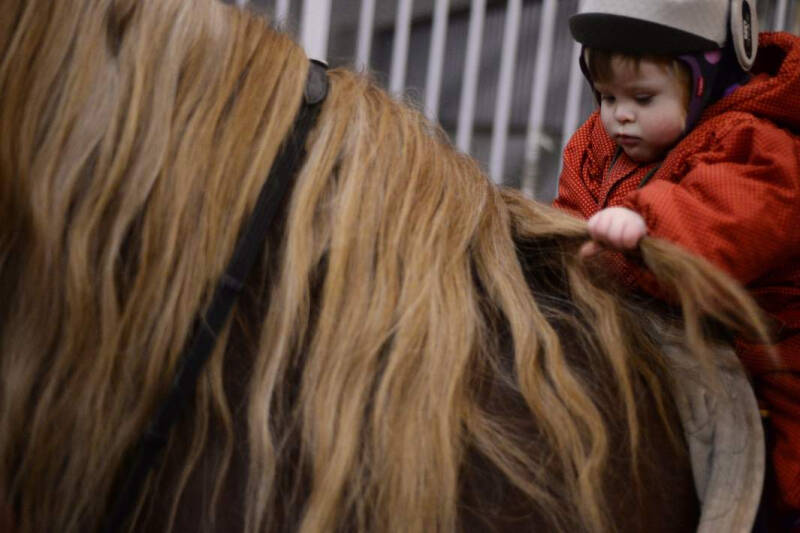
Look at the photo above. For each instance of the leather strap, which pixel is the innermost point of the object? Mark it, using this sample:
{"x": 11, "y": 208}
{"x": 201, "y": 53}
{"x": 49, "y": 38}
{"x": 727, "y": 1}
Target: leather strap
{"x": 208, "y": 326}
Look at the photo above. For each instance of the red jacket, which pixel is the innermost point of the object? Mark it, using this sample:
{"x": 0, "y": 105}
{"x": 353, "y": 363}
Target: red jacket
{"x": 730, "y": 192}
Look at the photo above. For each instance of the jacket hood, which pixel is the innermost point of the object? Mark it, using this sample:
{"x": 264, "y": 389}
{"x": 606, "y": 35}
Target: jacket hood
{"x": 773, "y": 92}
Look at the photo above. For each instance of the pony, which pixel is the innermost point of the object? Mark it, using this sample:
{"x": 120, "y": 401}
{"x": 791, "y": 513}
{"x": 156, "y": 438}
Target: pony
{"x": 415, "y": 350}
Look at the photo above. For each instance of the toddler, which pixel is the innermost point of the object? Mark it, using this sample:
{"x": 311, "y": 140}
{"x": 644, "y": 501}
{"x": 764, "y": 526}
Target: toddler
{"x": 696, "y": 142}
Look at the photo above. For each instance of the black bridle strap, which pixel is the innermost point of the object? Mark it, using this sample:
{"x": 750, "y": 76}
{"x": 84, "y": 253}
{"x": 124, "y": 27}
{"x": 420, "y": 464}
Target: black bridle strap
{"x": 207, "y": 327}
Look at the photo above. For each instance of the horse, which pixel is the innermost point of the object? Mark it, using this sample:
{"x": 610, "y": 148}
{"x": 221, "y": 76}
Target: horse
{"x": 415, "y": 348}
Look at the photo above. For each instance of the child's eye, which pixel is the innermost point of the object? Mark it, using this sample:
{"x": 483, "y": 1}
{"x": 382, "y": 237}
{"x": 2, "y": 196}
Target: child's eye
{"x": 607, "y": 98}
{"x": 644, "y": 98}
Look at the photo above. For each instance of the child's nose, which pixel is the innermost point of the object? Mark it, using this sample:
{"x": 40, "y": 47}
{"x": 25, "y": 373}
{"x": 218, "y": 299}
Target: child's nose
{"x": 624, "y": 113}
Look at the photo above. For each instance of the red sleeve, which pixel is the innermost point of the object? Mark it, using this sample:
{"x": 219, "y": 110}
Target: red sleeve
{"x": 575, "y": 191}
{"x": 739, "y": 204}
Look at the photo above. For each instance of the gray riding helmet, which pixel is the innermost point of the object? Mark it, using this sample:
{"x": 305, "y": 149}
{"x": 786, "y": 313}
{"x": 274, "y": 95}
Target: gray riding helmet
{"x": 668, "y": 27}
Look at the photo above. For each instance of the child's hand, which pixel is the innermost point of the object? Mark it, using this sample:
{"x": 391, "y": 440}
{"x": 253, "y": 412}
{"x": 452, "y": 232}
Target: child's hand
{"x": 617, "y": 227}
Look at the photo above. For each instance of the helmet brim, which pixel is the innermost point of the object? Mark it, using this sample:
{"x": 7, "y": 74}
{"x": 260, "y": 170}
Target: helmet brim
{"x": 634, "y": 36}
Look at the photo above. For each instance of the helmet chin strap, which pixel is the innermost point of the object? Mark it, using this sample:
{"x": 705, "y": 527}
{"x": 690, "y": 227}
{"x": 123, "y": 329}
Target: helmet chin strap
{"x": 744, "y": 31}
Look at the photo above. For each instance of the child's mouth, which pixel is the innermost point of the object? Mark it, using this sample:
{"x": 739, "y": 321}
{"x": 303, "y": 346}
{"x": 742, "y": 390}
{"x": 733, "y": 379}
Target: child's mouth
{"x": 627, "y": 140}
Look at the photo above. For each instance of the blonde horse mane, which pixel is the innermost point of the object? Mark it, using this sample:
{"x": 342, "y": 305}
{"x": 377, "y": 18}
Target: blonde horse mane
{"x": 136, "y": 136}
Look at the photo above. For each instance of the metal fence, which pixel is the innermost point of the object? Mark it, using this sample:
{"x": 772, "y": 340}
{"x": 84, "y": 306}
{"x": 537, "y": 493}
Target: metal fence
{"x": 500, "y": 76}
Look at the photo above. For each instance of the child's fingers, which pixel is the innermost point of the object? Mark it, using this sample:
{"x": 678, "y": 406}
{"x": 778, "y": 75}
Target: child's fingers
{"x": 588, "y": 249}
{"x": 609, "y": 228}
{"x": 598, "y": 226}
{"x": 614, "y": 228}
{"x": 617, "y": 227}
{"x": 616, "y": 232}
{"x": 632, "y": 234}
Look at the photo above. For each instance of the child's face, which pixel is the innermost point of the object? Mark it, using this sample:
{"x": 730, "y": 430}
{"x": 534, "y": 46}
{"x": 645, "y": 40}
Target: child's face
{"x": 642, "y": 108}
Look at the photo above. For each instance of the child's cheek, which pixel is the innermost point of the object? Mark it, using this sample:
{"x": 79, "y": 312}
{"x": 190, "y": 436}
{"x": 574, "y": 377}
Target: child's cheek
{"x": 605, "y": 119}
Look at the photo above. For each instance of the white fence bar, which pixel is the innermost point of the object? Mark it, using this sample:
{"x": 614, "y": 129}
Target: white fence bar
{"x": 541, "y": 79}
{"x": 365, "y": 24}
{"x": 315, "y": 27}
{"x": 241, "y": 3}
{"x": 505, "y": 86}
{"x": 281, "y": 11}
{"x": 402, "y": 28}
{"x": 780, "y": 15}
{"x": 572, "y": 112}
{"x": 466, "y": 109}
{"x": 433, "y": 80}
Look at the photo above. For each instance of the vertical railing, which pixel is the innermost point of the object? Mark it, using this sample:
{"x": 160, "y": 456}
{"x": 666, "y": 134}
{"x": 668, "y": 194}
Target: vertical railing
{"x": 780, "y": 15}
{"x": 575, "y": 85}
{"x": 315, "y": 28}
{"x": 541, "y": 78}
{"x": 281, "y": 11}
{"x": 402, "y": 29}
{"x": 505, "y": 85}
{"x": 466, "y": 109}
{"x": 574, "y": 88}
{"x": 366, "y": 21}
{"x": 433, "y": 79}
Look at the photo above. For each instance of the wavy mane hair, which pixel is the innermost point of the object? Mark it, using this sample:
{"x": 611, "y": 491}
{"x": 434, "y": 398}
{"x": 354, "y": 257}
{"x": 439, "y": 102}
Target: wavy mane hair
{"x": 410, "y": 327}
